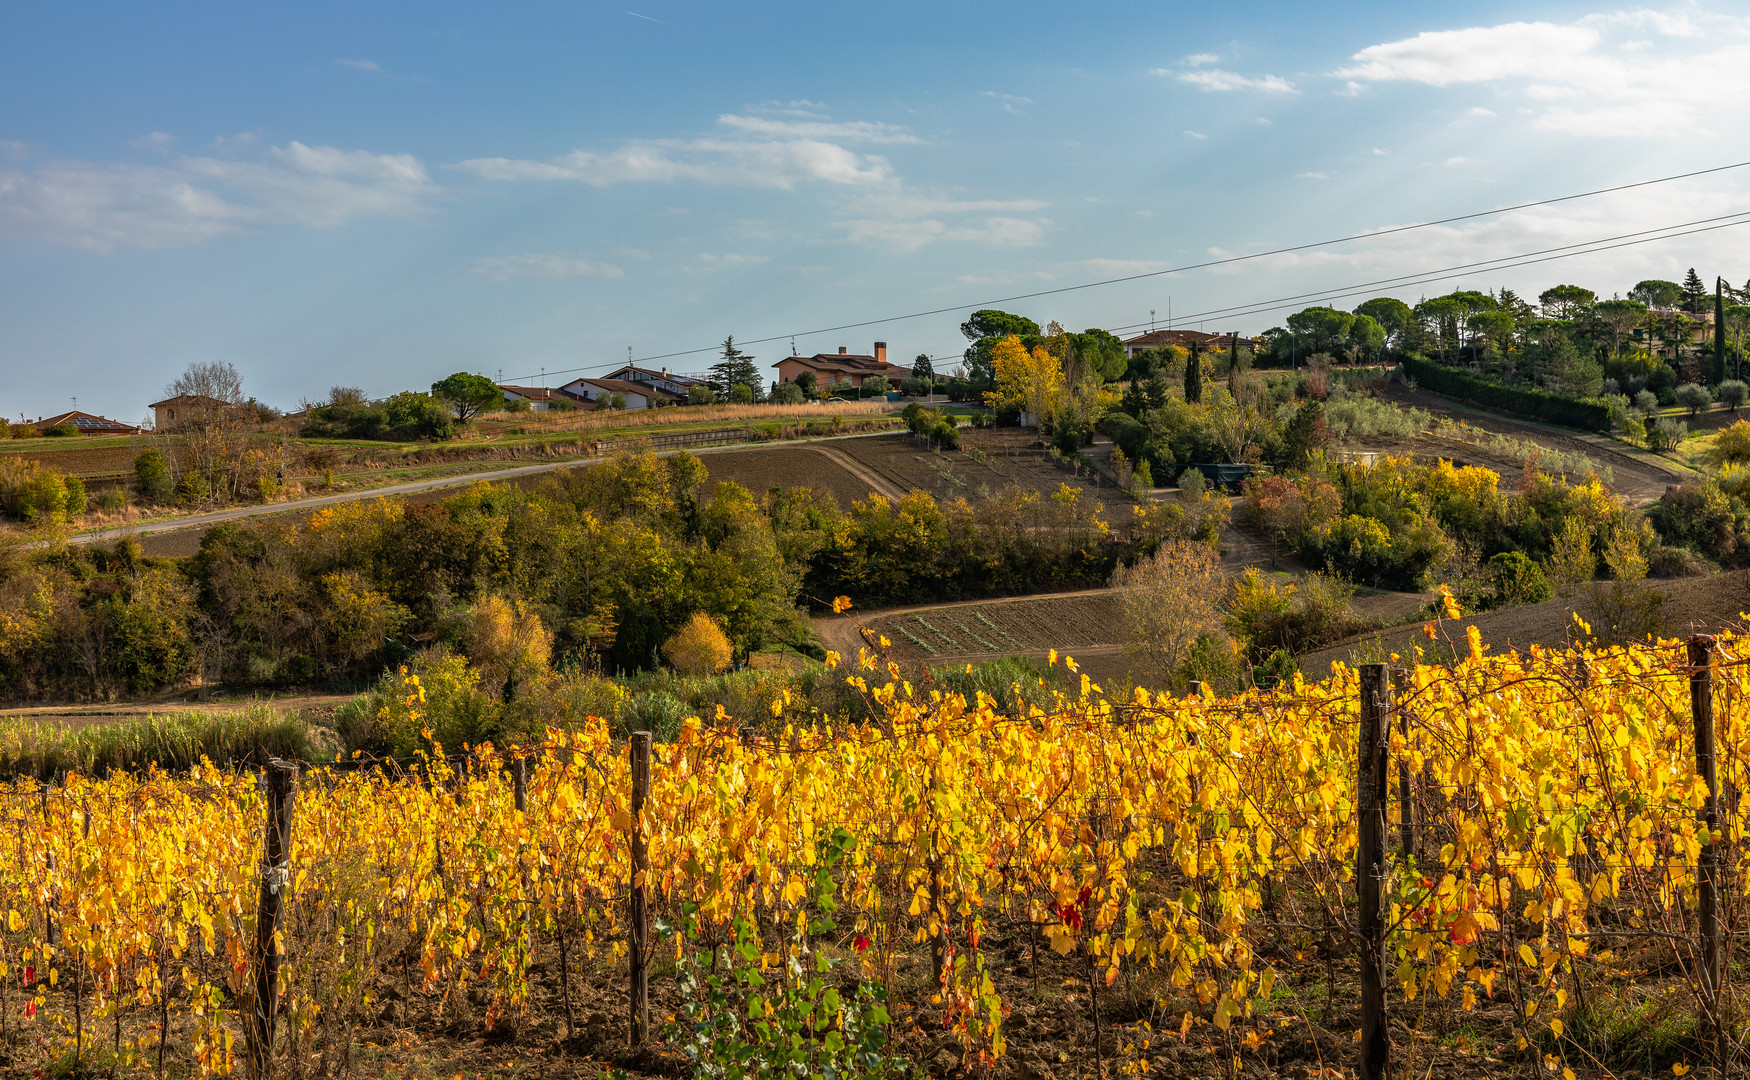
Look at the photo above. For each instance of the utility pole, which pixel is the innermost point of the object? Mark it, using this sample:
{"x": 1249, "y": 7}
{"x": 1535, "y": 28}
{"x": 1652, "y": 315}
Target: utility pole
{"x": 1719, "y": 326}
{"x": 1151, "y": 320}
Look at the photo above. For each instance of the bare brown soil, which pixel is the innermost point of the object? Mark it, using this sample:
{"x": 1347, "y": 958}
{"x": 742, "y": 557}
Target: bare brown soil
{"x": 989, "y": 463}
{"x": 817, "y": 466}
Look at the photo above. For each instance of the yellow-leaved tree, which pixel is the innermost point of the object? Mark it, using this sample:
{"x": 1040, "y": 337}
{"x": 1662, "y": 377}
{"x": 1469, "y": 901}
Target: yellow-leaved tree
{"x": 699, "y": 647}
{"x": 507, "y": 644}
{"x": 1028, "y": 379}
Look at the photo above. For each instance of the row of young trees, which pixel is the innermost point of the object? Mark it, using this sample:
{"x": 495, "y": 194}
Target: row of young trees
{"x": 612, "y": 559}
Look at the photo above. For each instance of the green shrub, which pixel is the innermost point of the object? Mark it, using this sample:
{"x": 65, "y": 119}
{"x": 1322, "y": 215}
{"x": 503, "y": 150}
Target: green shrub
{"x": 1556, "y": 408}
{"x": 76, "y": 504}
{"x": 153, "y": 476}
{"x": 1666, "y": 434}
{"x": 1694, "y": 397}
{"x": 33, "y": 492}
{"x": 62, "y": 431}
{"x": 1518, "y": 580}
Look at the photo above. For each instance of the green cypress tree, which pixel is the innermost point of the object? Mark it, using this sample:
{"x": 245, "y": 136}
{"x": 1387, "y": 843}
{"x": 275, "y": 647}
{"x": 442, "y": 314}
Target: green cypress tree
{"x": 1194, "y": 374}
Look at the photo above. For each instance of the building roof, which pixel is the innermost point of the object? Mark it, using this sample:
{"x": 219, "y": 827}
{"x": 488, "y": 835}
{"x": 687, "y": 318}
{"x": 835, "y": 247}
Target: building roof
{"x": 858, "y": 363}
{"x": 533, "y": 393}
{"x": 187, "y": 399}
{"x": 684, "y": 380}
{"x": 623, "y": 386}
{"x": 1183, "y": 338}
{"x": 89, "y": 424}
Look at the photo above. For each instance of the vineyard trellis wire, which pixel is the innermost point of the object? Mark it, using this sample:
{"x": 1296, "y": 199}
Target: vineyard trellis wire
{"x": 1556, "y": 813}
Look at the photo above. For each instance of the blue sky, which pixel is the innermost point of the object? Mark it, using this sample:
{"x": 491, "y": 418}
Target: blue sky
{"x": 378, "y": 195}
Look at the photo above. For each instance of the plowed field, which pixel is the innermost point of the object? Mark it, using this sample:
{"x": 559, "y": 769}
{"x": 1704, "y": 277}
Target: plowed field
{"x": 783, "y": 467}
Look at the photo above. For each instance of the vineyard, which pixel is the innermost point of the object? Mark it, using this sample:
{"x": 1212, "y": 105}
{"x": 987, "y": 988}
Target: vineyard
{"x": 1212, "y": 884}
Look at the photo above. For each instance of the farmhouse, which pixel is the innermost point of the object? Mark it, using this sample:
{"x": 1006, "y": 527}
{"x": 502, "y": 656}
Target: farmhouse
{"x": 842, "y": 367}
{"x": 635, "y": 395}
{"x": 1184, "y": 339}
{"x": 88, "y": 424}
{"x": 172, "y": 412}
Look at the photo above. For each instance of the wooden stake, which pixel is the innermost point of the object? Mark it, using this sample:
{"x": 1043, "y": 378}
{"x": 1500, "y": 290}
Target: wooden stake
{"x": 276, "y": 850}
{"x": 1406, "y": 803}
{"x": 519, "y": 777}
{"x": 1710, "y": 873}
{"x": 1370, "y": 801}
{"x": 639, "y": 921}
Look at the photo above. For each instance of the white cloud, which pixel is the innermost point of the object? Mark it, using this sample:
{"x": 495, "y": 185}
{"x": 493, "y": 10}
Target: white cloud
{"x": 553, "y": 265}
{"x": 1218, "y": 80}
{"x": 1195, "y": 134}
{"x": 853, "y": 131}
{"x": 232, "y": 142}
{"x": 100, "y": 207}
{"x": 1010, "y": 102}
{"x": 1478, "y": 110}
{"x": 359, "y": 65}
{"x": 1377, "y": 152}
{"x": 1312, "y": 176}
{"x": 914, "y": 233}
{"x": 1004, "y": 277}
{"x": 1202, "y": 58}
{"x": 1587, "y": 77}
{"x": 14, "y": 150}
{"x": 904, "y": 221}
{"x": 757, "y": 152}
{"x": 707, "y": 264}
{"x": 1111, "y": 268}
{"x": 160, "y": 141}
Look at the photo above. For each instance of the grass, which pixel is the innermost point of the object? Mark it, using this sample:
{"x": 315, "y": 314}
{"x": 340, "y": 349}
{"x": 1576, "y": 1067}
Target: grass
{"x": 677, "y": 418}
{"x": 45, "y": 751}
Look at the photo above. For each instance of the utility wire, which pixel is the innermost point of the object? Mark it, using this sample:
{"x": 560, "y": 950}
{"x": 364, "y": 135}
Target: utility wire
{"x": 1504, "y": 262}
{"x": 1227, "y": 261}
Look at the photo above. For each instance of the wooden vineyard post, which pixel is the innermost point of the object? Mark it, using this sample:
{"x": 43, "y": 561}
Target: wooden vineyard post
{"x": 519, "y": 779}
{"x": 276, "y": 849}
{"x": 639, "y": 929}
{"x": 1406, "y": 801}
{"x": 1710, "y": 873}
{"x": 1370, "y": 800}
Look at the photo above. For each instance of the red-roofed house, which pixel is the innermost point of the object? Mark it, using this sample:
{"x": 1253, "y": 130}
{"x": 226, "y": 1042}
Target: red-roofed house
{"x": 1184, "y": 339}
{"x": 88, "y": 424}
{"x": 842, "y": 366}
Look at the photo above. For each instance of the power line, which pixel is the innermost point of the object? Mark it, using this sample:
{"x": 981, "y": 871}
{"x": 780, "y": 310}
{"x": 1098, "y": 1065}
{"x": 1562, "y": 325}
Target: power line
{"x": 1484, "y": 266}
{"x": 1227, "y": 261}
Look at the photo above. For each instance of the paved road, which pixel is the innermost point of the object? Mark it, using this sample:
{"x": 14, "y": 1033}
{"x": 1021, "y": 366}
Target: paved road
{"x": 195, "y": 521}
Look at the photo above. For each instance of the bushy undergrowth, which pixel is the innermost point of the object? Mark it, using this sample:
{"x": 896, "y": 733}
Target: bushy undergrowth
{"x": 47, "y": 750}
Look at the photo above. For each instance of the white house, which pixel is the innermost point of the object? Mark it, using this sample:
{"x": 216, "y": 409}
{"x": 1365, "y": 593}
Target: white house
{"x": 636, "y": 395}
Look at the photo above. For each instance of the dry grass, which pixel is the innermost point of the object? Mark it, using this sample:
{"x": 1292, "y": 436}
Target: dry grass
{"x": 609, "y": 420}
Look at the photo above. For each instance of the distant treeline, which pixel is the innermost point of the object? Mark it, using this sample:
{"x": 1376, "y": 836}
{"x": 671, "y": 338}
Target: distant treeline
{"x": 612, "y": 558}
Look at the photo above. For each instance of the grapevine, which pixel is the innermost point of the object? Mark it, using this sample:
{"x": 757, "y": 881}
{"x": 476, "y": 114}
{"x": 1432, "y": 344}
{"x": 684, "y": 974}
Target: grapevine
{"x": 1171, "y": 839}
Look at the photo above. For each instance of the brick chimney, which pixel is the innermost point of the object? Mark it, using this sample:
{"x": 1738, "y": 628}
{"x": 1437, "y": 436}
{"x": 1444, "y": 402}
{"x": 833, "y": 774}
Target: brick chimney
{"x": 881, "y": 352}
